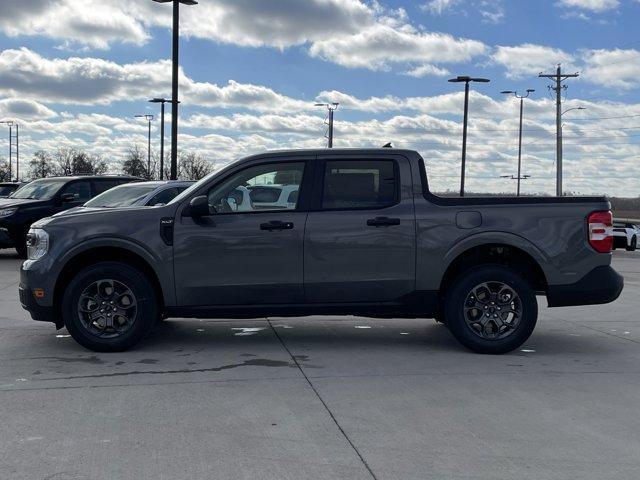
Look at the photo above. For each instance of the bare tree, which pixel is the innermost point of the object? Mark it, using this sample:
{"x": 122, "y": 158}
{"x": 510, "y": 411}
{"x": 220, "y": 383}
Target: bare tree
{"x": 70, "y": 161}
{"x": 193, "y": 167}
{"x": 41, "y": 165}
{"x": 134, "y": 164}
{"x": 4, "y": 171}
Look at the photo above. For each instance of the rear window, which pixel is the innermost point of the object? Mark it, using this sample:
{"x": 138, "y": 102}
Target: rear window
{"x": 359, "y": 184}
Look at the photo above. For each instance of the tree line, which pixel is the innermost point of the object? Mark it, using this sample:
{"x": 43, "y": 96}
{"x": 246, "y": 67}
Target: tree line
{"x": 66, "y": 161}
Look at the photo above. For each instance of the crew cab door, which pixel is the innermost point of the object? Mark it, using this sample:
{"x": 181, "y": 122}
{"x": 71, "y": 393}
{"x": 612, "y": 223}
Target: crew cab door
{"x": 246, "y": 253}
{"x": 360, "y": 235}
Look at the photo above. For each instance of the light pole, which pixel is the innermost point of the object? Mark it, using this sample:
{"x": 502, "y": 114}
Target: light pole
{"x": 148, "y": 118}
{"x": 9, "y": 123}
{"x": 174, "y": 81}
{"x": 521, "y": 97}
{"x": 161, "y": 101}
{"x": 466, "y": 81}
{"x": 331, "y": 107}
{"x": 559, "y": 172}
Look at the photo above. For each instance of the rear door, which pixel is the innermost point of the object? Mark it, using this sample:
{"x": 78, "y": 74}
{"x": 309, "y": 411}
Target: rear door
{"x": 244, "y": 254}
{"x": 360, "y": 236}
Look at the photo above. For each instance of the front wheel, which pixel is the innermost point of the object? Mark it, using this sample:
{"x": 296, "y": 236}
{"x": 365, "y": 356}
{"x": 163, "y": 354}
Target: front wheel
{"x": 491, "y": 309}
{"x": 634, "y": 245}
{"x": 109, "y": 307}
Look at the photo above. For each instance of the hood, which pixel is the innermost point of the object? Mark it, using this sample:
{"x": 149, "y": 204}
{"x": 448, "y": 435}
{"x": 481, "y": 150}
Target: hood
{"x": 16, "y": 202}
{"x": 76, "y": 210}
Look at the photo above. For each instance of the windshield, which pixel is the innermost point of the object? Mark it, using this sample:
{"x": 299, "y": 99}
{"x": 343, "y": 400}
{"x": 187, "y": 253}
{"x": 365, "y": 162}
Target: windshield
{"x": 122, "y": 196}
{"x": 6, "y": 190}
{"x": 43, "y": 189}
{"x": 194, "y": 187}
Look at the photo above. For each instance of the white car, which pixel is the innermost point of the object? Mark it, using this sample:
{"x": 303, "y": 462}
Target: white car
{"x": 274, "y": 196}
{"x": 625, "y": 235}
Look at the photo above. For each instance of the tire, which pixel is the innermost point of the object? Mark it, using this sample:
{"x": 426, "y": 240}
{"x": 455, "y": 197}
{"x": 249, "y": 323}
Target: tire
{"x": 633, "y": 246}
{"x": 109, "y": 284}
{"x": 21, "y": 250}
{"x": 468, "y": 302}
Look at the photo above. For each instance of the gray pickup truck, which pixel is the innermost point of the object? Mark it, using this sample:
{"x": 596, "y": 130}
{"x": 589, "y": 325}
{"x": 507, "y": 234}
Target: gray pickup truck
{"x": 359, "y": 233}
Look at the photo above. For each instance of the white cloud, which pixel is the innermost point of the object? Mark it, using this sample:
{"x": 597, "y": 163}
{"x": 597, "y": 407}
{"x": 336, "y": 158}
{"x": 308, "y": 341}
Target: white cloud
{"x": 21, "y": 108}
{"x": 437, "y": 7}
{"x": 529, "y": 59}
{"x": 614, "y": 68}
{"x": 94, "y": 23}
{"x": 347, "y": 32}
{"x": 381, "y": 46}
{"x": 592, "y": 5}
{"x": 425, "y": 70}
{"x": 91, "y": 81}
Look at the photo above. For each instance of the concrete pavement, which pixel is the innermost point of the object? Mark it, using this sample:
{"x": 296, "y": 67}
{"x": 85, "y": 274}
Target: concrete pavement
{"x": 324, "y": 398}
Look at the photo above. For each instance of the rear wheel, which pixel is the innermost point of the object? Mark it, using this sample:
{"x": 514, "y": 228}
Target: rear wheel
{"x": 491, "y": 309}
{"x": 634, "y": 245}
{"x": 109, "y": 307}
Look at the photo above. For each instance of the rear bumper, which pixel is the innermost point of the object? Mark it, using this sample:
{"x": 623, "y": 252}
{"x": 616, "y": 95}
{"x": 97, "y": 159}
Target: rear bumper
{"x": 601, "y": 285}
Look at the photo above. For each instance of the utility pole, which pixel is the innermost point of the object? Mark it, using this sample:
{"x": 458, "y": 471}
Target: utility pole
{"x": 559, "y": 77}
{"x": 465, "y": 122}
{"x": 521, "y": 97}
{"x": 331, "y": 107}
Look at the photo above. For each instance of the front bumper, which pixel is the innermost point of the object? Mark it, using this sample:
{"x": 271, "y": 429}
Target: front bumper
{"x": 37, "y": 312}
{"x": 601, "y": 285}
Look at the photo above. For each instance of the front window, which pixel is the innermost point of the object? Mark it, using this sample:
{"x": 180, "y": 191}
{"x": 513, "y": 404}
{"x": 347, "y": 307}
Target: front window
{"x": 122, "y": 196}
{"x": 43, "y": 189}
{"x": 258, "y": 188}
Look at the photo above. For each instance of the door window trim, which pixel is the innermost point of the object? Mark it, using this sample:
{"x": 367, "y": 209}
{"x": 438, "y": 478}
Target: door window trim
{"x": 318, "y": 190}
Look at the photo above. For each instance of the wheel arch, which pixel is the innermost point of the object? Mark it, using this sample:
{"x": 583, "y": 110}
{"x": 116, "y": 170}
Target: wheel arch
{"x": 78, "y": 260}
{"x": 526, "y": 261}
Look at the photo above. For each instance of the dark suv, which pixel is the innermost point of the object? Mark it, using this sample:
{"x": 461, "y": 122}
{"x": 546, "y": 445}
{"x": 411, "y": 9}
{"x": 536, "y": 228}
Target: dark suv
{"x": 45, "y": 197}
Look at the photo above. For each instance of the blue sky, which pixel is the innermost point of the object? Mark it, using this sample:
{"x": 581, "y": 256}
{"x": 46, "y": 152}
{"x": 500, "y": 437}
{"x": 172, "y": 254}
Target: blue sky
{"x": 74, "y": 75}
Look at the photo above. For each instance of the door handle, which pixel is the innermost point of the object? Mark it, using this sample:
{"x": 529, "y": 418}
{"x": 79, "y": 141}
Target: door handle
{"x": 383, "y": 222}
{"x": 276, "y": 225}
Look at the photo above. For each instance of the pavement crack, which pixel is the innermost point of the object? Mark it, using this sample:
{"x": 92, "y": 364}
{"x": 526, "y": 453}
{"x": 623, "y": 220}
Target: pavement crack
{"x": 259, "y": 362}
{"x": 295, "y": 359}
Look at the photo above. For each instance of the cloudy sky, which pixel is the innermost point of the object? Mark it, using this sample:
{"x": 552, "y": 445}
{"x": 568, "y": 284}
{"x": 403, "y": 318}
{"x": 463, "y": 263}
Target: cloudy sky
{"x": 75, "y": 73}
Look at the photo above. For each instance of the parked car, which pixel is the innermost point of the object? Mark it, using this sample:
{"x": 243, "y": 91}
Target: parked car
{"x": 153, "y": 193}
{"x": 364, "y": 237}
{"x": 7, "y": 188}
{"x": 43, "y": 198}
{"x": 273, "y": 197}
{"x": 625, "y": 235}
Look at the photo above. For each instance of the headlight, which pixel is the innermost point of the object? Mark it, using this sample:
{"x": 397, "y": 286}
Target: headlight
{"x": 37, "y": 243}
{"x": 7, "y": 212}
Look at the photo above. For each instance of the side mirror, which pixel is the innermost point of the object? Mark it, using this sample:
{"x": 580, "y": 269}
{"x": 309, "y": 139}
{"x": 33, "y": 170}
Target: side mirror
{"x": 199, "y": 207}
{"x": 67, "y": 198}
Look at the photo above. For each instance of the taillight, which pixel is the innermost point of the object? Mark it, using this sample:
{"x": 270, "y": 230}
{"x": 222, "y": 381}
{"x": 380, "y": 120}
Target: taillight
{"x": 601, "y": 231}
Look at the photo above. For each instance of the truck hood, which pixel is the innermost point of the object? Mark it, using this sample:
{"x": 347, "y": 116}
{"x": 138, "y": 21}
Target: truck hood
{"x": 17, "y": 202}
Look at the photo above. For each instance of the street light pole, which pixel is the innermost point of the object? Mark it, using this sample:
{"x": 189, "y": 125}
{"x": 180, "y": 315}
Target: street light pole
{"x": 161, "y": 101}
{"x": 148, "y": 118}
{"x": 466, "y": 81}
{"x": 521, "y": 97}
{"x": 174, "y": 81}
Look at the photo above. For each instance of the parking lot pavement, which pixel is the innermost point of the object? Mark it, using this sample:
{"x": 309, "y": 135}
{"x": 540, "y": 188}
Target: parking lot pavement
{"x": 324, "y": 398}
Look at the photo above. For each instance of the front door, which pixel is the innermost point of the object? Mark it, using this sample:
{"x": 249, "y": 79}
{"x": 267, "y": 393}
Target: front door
{"x": 360, "y": 238}
{"x": 250, "y": 251}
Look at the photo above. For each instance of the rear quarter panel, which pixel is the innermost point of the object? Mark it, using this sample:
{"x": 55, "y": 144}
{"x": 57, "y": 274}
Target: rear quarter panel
{"x": 555, "y": 235}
